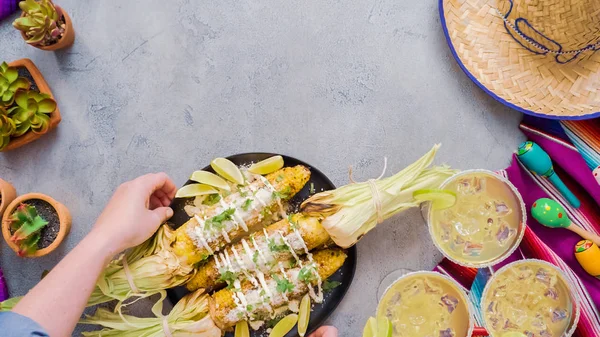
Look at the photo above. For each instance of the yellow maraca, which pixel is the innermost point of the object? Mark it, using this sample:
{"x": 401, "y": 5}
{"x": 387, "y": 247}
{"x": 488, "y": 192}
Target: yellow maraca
{"x": 588, "y": 256}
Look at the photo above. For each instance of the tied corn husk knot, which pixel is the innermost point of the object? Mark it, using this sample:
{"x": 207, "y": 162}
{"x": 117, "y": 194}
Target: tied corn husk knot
{"x": 349, "y": 212}
{"x": 151, "y": 267}
{"x": 189, "y": 317}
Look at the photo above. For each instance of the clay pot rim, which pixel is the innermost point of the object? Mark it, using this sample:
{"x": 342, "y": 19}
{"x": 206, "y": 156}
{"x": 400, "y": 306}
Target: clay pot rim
{"x": 64, "y": 218}
{"x": 68, "y": 28}
{"x": 6, "y": 194}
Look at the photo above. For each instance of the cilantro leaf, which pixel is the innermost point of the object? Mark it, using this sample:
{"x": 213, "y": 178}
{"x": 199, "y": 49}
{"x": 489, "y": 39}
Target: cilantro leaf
{"x": 274, "y": 247}
{"x": 279, "y": 178}
{"x": 229, "y": 277}
{"x": 307, "y": 274}
{"x": 283, "y": 194}
{"x": 247, "y": 204}
{"x": 330, "y": 285}
{"x": 283, "y": 285}
{"x": 216, "y": 222}
{"x": 255, "y": 257}
{"x": 212, "y": 199}
{"x": 311, "y": 190}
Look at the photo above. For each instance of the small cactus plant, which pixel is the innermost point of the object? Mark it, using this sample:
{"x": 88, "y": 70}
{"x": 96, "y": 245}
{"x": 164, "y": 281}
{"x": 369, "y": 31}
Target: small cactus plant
{"x": 26, "y": 226}
{"x": 31, "y": 112}
{"x": 10, "y": 82}
{"x": 41, "y": 23}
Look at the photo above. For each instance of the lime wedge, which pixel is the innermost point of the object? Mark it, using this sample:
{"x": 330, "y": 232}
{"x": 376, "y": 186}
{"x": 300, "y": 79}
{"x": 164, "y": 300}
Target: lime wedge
{"x": 226, "y": 169}
{"x": 304, "y": 315}
{"x": 284, "y": 326}
{"x": 440, "y": 199}
{"x": 380, "y": 327}
{"x": 384, "y": 327}
{"x": 211, "y": 179}
{"x": 241, "y": 329}
{"x": 193, "y": 190}
{"x": 370, "y": 329}
{"x": 267, "y": 166}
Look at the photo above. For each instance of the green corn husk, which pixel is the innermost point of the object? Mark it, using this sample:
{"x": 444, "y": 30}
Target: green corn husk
{"x": 153, "y": 267}
{"x": 349, "y": 212}
{"x": 188, "y": 318}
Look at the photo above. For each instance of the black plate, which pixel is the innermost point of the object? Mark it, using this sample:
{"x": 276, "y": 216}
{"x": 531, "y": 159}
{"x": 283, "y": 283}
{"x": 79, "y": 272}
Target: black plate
{"x": 344, "y": 275}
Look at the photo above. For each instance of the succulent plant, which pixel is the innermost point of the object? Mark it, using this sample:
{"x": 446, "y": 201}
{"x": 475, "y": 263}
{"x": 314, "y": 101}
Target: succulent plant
{"x": 40, "y": 23}
{"x": 26, "y": 225}
{"x": 10, "y": 82}
{"x": 7, "y": 128}
{"x": 31, "y": 112}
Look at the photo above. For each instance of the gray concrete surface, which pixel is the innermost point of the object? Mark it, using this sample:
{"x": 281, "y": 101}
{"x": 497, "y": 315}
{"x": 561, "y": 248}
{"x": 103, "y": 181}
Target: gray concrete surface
{"x": 167, "y": 86}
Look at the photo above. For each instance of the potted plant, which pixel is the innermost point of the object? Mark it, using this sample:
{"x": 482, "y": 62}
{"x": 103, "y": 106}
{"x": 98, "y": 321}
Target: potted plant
{"x": 45, "y": 25}
{"x": 7, "y": 195}
{"x": 34, "y": 224}
{"x": 27, "y": 106}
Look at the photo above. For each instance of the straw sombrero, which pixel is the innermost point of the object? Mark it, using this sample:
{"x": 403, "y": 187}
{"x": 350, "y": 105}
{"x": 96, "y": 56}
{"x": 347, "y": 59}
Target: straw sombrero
{"x": 536, "y": 56}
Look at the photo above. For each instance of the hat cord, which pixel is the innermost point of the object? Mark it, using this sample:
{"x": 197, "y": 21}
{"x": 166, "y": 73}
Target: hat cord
{"x": 540, "y": 46}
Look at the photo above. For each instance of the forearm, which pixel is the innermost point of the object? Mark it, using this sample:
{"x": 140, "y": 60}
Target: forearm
{"x": 57, "y": 302}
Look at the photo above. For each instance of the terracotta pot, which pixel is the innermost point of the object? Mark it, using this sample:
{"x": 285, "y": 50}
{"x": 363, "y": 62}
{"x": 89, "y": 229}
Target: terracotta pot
{"x": 8, "y": 193}
{"x": 45, "y": 89}
{"x": 68, "y": 36}
{"x": 64, "y": 218}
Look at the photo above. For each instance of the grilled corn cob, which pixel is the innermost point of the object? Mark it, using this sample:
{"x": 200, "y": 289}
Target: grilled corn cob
{"x": 249, "y": 302}
{"x": 238, "y": 214}
{"x": 261, "y": 251}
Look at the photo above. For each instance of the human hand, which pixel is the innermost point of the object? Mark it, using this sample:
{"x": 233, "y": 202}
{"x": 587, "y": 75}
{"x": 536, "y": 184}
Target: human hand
{"x": 325, "y": 331}
{"x": 135, "y": 211}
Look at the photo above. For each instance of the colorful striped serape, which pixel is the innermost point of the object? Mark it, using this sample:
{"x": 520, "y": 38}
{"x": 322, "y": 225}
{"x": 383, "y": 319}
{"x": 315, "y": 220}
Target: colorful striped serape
{"x": 551, "y": 245}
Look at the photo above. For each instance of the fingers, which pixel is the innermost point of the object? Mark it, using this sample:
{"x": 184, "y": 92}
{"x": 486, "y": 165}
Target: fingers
{"x": 154, "y": 182}
{"x": 325, "y": 331}
{"x": 155, "y": 202}
{"x": 163, "y": 214}
{"x": 163, "y": 197}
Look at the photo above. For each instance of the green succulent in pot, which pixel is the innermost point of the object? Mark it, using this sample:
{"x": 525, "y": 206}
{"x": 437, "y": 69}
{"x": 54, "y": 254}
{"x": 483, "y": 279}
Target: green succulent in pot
{"x": 31, "y": 112}
{"x": 7, "y": 128}
{"x": 41, "y": 22}
{"x": 10, "y": 83}
{"x": 26, "y": 224}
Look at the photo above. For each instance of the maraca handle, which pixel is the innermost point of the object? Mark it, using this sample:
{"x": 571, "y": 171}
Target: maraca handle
{"x": 585, "y": 234}
{"x": 564, "y": 190}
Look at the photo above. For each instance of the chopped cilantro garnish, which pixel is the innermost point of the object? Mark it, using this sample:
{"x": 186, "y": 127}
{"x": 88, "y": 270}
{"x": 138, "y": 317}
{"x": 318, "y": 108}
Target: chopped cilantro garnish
{"x": 307, "y": 274}
{"x": 272, "y": 322}
{"x": 262, "y": 293}
{"x": 229, "y": 277}
{"x": 293, "y": 263}
{"x": 243, "y": 192}
{"x": 240, "y": 314}
{"x": 283, "y": 194}
{"x": 283, "y": 285}
{"x": 216, "y": 222}
{"x": 274, "y": 247}
{"x": 293, "y": 225}
{"x": 279, "y": 178}
{"x": 255, "y": 257}
{"x": 247, "y": 204}
{"x": 330, "y": 285}
{"x": 265, "y": 212}
{"x": 249, "y": 307}
{"x": 212, "y": 199}
{"x": 311, "y": 190}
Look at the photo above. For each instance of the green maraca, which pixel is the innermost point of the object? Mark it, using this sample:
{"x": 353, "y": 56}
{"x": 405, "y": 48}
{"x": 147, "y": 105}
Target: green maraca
{"x": 551, "y": 214}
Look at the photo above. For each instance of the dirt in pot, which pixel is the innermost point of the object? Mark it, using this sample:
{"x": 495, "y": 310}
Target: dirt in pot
{"x": 24, "y": 72}
{"x": 48, "y": 213}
